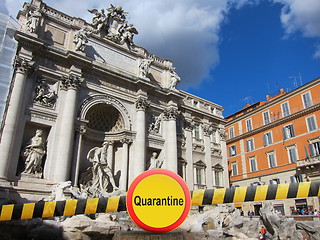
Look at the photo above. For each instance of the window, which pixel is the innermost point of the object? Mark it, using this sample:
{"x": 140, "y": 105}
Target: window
{"x": 307, "y": 102}
{"x": 285, "y": 109}
{"x": 197, "y": 131}
{"x": 217, "y": 177}
{"x": 253, "y": 164}
{"x": 292, "y": 152}
{"x": 231, "y": 132}
{"x": 272, "y": 159}
{"x": 314, "y": 149}
{"x": 232, "y": 150}
{"x": 288, "y": 131}
{"x": 199, "y": 175}
{"x": 266, "y": 117}
{"x": 249, "y": 125}
{"x": 196, "y": 104}
{"x": 267, "y": 138}
{"x": 311, "y": 123}
{"x": 234, "y": 168}
{"x": 250, "y": 145}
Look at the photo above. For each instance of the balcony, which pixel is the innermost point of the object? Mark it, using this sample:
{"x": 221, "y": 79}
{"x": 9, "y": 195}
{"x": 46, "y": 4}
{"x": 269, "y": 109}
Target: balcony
{"x": 308, "y": 162}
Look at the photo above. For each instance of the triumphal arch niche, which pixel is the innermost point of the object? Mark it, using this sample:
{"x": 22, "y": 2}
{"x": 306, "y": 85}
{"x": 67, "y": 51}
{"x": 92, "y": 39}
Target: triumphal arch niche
{"x": 89, "y": 110}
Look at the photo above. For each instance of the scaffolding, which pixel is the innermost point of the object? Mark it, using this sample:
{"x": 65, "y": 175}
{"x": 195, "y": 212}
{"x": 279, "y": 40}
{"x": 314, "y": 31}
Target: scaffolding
{"x": 8, "y": 48}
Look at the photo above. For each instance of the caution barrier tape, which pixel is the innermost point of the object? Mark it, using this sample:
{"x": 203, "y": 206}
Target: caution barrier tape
{"x": 198, "y": 197}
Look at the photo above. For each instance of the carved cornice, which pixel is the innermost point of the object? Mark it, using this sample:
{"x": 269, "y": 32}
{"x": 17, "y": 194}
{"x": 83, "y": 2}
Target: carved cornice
{"x": 142, "y": 104}
{"x": 71, "y": 82}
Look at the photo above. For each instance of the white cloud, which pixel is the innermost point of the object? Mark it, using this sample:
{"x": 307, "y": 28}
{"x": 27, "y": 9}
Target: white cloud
{"x": 301, "y": 16}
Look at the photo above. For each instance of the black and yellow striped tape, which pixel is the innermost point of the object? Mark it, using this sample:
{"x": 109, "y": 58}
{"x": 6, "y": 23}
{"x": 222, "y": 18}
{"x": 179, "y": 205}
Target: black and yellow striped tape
{"x": 62, "y": 208}
{"x": 198, "y": 197}
{"x": 255, "y": 193}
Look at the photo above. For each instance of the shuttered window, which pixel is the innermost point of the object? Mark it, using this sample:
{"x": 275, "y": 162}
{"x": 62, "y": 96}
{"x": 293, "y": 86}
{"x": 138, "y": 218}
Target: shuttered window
{"x": 311, "y": 122}
{"x": 288, "y": 131}
{"x": 285, "y": 109}
{"x": 267, "y": 139}
{"x": 307, "y": 100}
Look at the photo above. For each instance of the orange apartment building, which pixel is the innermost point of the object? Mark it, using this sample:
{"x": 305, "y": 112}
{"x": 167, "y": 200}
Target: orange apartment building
{"x": 277, "y": 141}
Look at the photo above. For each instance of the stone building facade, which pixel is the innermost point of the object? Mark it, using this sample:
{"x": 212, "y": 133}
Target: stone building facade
{"x": 78, "y": 87}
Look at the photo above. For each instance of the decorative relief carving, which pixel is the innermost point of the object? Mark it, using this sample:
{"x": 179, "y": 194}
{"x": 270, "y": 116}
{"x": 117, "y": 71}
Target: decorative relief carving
{"x": 142, "y": 104}
{"x": 22, "y": 65}
{"x": 189, "y": 125}
{"x": 207, "y": 130}
{"x": 144, "y": 67}
{"x": 81, "y": 129}
{"x": 126, "y": 140}
{"x": 171, "y": 114}
{"x": 223, "y": 134}
{"x": 154, "y": 123}
{"x": 71, "y": 82}
{"x": 45, "y": 94}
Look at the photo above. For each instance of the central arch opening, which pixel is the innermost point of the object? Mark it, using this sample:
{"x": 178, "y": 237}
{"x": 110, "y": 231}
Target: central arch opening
{"x": 105, "y": 118}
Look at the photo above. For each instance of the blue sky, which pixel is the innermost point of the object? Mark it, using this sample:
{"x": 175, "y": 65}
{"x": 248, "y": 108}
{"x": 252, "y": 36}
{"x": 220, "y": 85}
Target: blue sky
{"x": 231, "y": 52}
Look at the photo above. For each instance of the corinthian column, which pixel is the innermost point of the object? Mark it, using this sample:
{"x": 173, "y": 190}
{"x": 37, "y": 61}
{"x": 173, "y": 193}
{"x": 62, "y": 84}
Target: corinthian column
{"x": 207, "y": 131}
{"x": 63, "y": 158}
{"x": 13, "y": 114}
{"x": 171, "y": 151}
{"x": 140, "y": 142}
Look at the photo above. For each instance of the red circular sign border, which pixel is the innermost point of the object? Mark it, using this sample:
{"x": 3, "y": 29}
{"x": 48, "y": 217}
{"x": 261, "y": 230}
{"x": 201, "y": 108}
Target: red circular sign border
{"x": 176, "y": 177}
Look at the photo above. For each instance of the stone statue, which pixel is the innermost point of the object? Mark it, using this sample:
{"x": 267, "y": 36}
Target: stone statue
{"x": 101, "y": 171}
{"x": 34, "y": 153}
{"x": 81, "y": 39}
{"x": 154, "y": 161}
{"x": 114, "y": 26}
{"x": 127, "y": 32}
{"x": 175, "y": 79}
{"x": 33, "y": 20}
{"x": 144, "y": 67}
{"x": 44, "y": 94}
{"x": 99, "y": 20}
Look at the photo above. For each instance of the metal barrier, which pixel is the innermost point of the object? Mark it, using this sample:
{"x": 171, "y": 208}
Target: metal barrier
{"x": 198, "y": 197}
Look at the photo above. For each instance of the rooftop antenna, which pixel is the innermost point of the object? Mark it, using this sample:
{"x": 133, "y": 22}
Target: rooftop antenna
{"x": 295, "y": 85}
{"x": 300, "y": 79}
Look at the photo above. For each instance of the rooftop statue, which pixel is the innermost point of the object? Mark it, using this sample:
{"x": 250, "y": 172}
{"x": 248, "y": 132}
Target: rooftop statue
{"x": 33, "y": 20}
{"x": 114, "y": 25}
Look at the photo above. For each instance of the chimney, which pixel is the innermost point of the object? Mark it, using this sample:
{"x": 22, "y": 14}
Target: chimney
{"x": 268, "y": 97}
